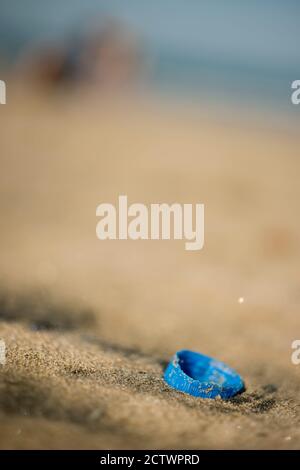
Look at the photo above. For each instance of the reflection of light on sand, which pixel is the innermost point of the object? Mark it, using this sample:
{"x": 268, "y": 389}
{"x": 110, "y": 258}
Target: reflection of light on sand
{"x": 241, "y": 300}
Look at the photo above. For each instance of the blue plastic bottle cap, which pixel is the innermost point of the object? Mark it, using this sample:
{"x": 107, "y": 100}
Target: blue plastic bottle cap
{"x": 202, "y": 376}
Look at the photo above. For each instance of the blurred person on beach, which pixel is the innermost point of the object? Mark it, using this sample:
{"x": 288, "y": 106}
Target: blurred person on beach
{"x": 106, "y": 57}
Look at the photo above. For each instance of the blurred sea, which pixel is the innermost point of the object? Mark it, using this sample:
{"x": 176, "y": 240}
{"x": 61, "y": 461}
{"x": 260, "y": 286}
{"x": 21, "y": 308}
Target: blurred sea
{"x": 234, "y": 51}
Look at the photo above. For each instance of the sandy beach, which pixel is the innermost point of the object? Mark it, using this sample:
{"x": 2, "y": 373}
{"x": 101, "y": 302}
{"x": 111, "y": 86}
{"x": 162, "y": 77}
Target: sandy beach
{"x": 90, "y": 325}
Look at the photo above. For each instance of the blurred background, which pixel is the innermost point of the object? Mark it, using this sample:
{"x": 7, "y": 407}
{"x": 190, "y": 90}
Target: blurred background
{"x": 243, "y": 53}
{"x": 164, "y": 101}
{"x": 161, "y": 101}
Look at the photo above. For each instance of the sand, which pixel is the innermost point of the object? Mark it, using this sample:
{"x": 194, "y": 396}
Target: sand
{"x": 90, "y": 325}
